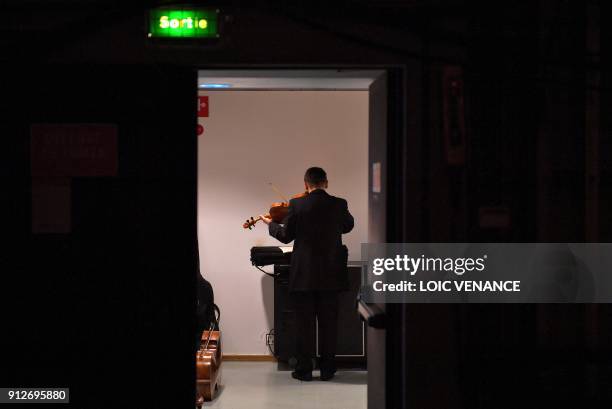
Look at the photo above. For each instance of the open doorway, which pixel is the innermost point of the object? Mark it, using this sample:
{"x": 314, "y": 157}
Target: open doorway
{"x": 263, "y": 127}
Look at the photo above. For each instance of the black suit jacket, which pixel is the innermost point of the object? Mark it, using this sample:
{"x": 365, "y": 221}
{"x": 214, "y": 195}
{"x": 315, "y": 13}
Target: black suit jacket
{"x": 316, "y": 222}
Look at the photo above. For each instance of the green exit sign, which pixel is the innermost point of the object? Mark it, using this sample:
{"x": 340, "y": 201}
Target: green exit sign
{"x": 183, "y": 23}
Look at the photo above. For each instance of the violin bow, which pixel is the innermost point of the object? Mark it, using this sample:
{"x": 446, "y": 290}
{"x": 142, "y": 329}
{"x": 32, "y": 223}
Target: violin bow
{"x": 278, "y": 191}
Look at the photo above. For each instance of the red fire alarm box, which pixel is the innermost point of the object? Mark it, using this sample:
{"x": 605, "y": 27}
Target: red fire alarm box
{"x": 203, "y": 107}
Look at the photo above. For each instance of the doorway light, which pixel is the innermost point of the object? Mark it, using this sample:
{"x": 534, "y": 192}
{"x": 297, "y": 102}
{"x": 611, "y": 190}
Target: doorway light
{"x": 214, "y": 85}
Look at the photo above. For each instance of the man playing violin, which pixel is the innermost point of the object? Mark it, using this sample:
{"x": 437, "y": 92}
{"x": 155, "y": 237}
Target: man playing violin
{"x": 315, "y": 222}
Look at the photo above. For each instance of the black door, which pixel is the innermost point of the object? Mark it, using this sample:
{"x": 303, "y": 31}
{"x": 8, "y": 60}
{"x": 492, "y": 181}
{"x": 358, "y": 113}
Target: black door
{"x": 104, "y": 302}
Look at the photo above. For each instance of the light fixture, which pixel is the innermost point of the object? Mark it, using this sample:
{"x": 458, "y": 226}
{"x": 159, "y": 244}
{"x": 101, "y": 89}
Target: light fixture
{"x": 214, "y": 85}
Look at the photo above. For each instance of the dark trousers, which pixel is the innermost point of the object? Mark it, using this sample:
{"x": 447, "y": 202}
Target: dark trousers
{"x": 322, "y": 305}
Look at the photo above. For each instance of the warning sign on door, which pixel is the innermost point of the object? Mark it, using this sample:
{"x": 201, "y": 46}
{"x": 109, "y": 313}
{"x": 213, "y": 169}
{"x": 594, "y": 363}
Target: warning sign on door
{"x": 69, "y": 150}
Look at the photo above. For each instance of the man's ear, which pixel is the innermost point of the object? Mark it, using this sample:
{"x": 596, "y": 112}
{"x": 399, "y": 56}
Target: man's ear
{"x": 326, "y": 184}
{"x": 305, "y": 185}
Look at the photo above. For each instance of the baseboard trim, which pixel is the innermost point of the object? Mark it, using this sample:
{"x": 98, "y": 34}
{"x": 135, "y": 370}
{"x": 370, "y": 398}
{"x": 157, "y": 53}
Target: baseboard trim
{"x": 249, "y": 358}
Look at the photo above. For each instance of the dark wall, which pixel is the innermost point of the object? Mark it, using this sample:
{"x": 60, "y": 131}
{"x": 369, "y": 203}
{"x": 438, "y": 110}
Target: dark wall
{"x": 534, "y": 148}
{"x": 97, "y": 309}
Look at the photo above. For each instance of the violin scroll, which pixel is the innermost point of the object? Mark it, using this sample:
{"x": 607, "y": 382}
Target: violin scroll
{"x": 250, "y": 223}
{"x": 278, "y": 212}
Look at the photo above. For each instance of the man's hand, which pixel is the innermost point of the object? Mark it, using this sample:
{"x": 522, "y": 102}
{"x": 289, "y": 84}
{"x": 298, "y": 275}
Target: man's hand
{"x": 266, "y": 218}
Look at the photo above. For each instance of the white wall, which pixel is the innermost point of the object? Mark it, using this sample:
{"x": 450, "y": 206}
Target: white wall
{"x": 252, "y": 138}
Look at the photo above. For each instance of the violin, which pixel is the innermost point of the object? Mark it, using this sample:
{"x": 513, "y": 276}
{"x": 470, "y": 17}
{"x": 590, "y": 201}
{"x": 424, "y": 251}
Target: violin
{"x": 278, "y": 212}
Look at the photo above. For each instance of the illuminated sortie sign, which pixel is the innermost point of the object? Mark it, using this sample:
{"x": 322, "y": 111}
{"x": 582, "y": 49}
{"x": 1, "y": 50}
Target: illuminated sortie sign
{"x": 183, "y": 23}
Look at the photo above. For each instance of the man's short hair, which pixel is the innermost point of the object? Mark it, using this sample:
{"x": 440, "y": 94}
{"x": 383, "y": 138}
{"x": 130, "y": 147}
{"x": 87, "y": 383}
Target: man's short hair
{"x": 315, "y": 176}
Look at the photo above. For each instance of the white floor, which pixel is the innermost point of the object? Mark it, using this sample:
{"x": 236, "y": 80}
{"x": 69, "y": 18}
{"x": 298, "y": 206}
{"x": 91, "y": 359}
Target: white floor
{"x": 254, "y": 385}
